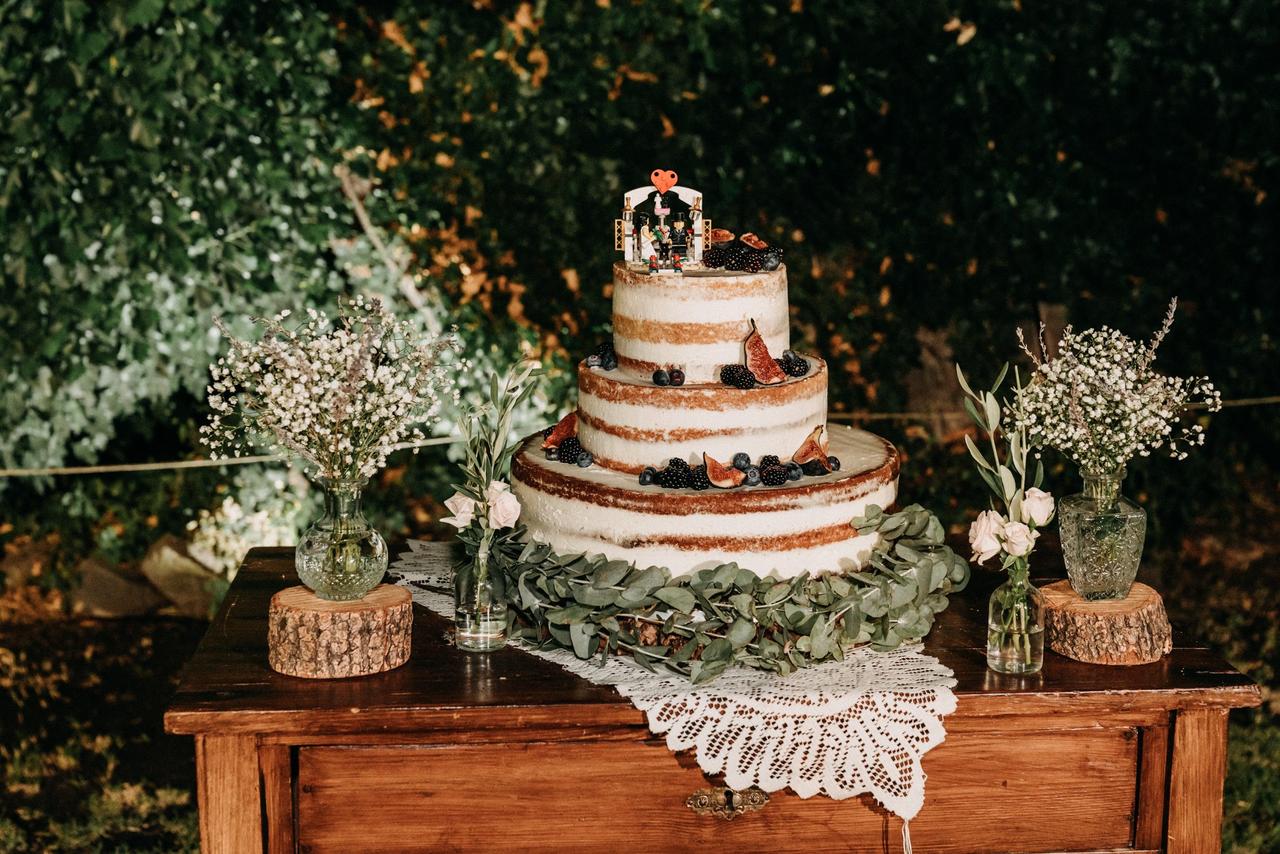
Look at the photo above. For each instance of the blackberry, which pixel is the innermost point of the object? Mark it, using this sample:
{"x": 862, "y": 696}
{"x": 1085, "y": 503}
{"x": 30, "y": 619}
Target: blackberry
{"x": 569, "y": 450}
{"x": 752, "y": 263}
{"x": 794, "y": 472}
{"x": 698, "y": 478}
{"x": 585, "y": 459}
{"x": 737, "y": 375}
{"x": 742, "y": 461}
{"x": 603, "y": 348}
{"x": 773, "y": 476}
{"x": 673, "y": 477}
{"x": 677, "y": 376}
{"x": 793, "y": 366}
{"x": 609, "y": 361}
{"x": 714, "y": 257}
{"x": 834, "y": 462}
{"x": 736, "y": 257}
{"x": 678, "y": 464}
{"x": 648, "y": 475}
{"x": 753, "y": 476}
{"x": 661, "y": 378}
{"x": 769, "y": 460}
{"x": 547, "y": 432}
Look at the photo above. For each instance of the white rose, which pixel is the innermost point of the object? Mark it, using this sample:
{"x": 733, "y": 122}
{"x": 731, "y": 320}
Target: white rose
{"x": 463, "y": 509}
{"x": 504, "y": 510}
{"x": 1037, "y": 507}
{"x": 1019, "y": 540}
{"x": 984, "y": 535}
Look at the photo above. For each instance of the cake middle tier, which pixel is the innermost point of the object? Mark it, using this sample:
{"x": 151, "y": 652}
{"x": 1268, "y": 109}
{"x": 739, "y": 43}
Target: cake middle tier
{"x": 628, "y": 423}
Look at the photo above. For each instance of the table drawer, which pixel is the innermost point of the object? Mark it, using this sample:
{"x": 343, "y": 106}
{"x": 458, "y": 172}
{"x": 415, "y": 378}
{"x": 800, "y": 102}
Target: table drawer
{"x": 1069, "y": 790}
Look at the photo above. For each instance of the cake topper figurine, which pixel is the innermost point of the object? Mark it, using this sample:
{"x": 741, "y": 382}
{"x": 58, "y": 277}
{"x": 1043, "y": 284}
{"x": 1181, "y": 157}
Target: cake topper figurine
{"x": 662, "y": 228}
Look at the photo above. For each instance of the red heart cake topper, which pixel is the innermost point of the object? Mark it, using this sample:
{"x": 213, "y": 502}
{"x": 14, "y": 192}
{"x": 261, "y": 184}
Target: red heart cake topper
{"x": 663, "y": 179}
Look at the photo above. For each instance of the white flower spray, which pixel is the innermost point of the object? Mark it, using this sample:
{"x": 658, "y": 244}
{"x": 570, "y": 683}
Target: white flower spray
{"x": 341, "y": 395}
{"x": 1100, "y": 402}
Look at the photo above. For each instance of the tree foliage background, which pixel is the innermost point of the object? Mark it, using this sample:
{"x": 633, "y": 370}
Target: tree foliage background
{"x": 937, "y": 171}
{"x": 946, "y": 167}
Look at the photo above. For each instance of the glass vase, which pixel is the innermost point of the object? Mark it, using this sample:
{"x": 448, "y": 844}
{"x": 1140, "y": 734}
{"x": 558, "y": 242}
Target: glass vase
{"x": 479, "y": 615}
{"x": 1015, "y": 628}
{"x": 1102, "y": 537}
{"x": 341, "y": 557}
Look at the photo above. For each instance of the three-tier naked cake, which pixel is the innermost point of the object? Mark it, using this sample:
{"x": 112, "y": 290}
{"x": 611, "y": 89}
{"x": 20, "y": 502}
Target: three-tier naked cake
{"x": 693, "y": 445}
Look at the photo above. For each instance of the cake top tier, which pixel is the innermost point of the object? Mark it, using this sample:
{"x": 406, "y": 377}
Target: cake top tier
{"x": 696, "y": 322}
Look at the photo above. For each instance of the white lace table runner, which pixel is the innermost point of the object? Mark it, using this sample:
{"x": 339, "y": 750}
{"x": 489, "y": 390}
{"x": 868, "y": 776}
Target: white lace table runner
{"x": 840, "y": 729}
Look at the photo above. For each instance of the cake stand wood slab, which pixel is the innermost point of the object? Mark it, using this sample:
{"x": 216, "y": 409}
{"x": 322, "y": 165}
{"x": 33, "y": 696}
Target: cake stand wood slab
{"x": 1132, "y": 630}
{"x": 318, "y": 639}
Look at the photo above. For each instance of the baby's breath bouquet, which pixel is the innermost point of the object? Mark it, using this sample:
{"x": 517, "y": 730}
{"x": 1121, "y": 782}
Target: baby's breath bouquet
{"x": 1101, "y": 402}
{"x": 341, "y": 395}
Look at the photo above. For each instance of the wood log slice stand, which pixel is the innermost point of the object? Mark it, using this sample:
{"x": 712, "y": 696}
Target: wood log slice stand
{"x": 1133, "y": 630}
{"x": 315, "y": 638}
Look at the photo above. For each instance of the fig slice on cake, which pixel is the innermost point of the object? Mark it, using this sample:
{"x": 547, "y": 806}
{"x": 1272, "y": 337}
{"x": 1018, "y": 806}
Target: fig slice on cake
{"x": 759, "y": 362}
{"x": 720, "y": 235}
{"x": 814, "y": 449}
{"x": 720, "y": 475}
{"x": 567, "y": 427}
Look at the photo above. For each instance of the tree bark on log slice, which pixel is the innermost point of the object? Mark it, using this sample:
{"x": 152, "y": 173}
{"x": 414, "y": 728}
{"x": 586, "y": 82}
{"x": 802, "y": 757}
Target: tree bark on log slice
{"x": 317, "y": 639}
{"x": 1133, "y": 630}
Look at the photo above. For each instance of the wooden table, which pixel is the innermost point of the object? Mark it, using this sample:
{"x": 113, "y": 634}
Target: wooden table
{"x": 473, "y": 752}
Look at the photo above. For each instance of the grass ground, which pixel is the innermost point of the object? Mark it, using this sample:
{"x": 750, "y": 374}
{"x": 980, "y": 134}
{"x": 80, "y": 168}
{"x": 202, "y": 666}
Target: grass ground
{"x": 88, "y": 768}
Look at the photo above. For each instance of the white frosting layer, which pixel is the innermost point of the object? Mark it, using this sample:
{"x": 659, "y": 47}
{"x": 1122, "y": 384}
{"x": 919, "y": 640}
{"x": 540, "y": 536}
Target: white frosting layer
{"x": 650, "y": 428}
{"x": 785, "y": 537}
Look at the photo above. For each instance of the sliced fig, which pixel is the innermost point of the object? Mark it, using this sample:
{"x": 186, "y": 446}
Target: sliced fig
{"x": 567, "y": 427}
{"x": 759, "y": 362}
{"x": 814, "y": 449}
{"x": 753, "y": 240}
{"x": 722, "y": 476}
{"x": 720, "y": 235}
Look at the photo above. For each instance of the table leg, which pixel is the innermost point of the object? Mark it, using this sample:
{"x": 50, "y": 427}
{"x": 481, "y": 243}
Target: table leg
{"x": 1195, "y": 781}
{"x": 228, "y": 791}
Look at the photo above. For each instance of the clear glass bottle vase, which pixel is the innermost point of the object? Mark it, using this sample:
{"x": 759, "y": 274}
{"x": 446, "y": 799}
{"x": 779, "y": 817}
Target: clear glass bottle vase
{"x": 480, "y": 614}
{"x": 1015, "y": 628}
{"x": 341, "y": 557}
{"x": 1102, "y": 537}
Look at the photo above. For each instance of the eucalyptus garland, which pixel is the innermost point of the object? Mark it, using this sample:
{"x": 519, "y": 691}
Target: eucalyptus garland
{"x": 699, "y": 624}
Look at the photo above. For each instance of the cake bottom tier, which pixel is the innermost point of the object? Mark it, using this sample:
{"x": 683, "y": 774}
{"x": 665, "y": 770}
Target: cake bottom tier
{"x": 772, "y": 530}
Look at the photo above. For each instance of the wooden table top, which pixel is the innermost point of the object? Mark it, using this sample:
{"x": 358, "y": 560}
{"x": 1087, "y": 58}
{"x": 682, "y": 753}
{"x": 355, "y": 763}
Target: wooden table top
{"x": 228, "y": 687}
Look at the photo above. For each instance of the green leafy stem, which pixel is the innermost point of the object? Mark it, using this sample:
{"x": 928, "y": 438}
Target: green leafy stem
{"x": 698, "y": 625}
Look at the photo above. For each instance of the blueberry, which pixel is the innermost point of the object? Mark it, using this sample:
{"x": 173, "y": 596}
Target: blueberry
{"x": 753, "y": 476}
{"x": 609, "y": 361}
{"x": 553, "y": 454}
{"x": 661, "y": 377}
{"x": 794, "y": 472}
{"x": 742, "y": 461}
{"x": 790, "y": 355}
{"x": 585, "y": 459}
{"x": 648, "y": 475}
{"x": 593, "y": 361}
{"x": 834, "y": 462}
{"x": 813, "y": 468}
{"x": 677, "y": 376}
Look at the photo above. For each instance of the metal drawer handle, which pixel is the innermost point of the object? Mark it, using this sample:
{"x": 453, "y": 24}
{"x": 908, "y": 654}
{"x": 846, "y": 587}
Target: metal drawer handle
{"x": 727, "y": 804}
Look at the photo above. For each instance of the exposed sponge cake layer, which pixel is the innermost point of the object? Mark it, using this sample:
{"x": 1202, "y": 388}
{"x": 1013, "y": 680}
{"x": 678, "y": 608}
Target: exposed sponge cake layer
{"x": 695, "y": 322}
{"x": 628, "y": 423}
{"x": 780, "y": 531}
